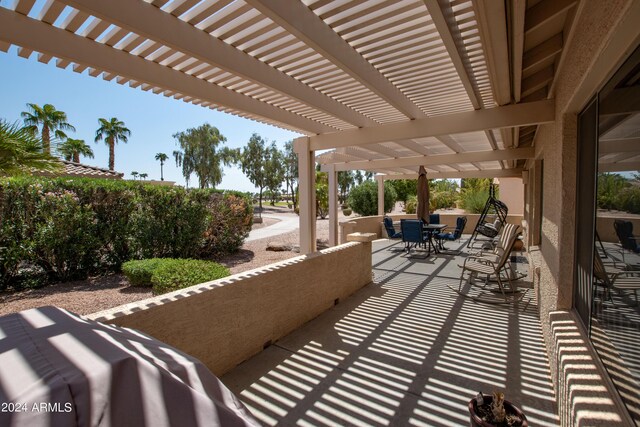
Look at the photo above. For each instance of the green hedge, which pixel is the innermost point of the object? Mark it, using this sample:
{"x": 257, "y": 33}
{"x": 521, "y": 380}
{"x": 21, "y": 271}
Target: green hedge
{"x": 169, "y": 274}
{"x": 63, "y": 229}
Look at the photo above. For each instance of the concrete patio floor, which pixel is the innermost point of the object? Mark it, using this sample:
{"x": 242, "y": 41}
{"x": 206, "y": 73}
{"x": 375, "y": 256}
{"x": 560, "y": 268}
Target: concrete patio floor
{"x": 404, "y": 350}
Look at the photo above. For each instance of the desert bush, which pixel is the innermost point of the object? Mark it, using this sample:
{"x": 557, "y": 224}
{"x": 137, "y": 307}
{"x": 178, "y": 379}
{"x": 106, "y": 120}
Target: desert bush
{"x": 363, "y": 198}
{"x": 70, "y": 228}
{"x": 139, "y": 271}
{"x": 412, "y": 205}
{"x": 474, "y": 201}
{"x": 173, "y": 274}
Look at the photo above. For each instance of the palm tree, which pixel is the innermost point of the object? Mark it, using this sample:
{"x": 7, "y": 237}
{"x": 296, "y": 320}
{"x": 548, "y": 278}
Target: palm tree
{"x": 134, "y": 174}
{"x": 51, "y": 120}
{"x": 21, "y": 151}
{"x": 144, "y": 175}
{"x": 112, "y": 131}
{"x": 163, "y": 158}
{"x": 71, "y": 150}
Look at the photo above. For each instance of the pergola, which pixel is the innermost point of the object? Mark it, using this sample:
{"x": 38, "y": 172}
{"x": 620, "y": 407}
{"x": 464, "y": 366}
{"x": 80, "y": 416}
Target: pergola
{"x": 458, "y": 86}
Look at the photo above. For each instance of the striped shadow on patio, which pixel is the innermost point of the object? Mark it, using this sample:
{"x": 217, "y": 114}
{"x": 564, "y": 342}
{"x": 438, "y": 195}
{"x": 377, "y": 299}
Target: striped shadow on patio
{"x": 405, "y": 350}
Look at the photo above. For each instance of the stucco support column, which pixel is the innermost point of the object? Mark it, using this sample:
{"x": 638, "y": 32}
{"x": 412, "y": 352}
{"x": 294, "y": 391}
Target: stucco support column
{"x": 380, "y": 180}
{"x": 333, "y": 205}
{"x": 307, "y": 202}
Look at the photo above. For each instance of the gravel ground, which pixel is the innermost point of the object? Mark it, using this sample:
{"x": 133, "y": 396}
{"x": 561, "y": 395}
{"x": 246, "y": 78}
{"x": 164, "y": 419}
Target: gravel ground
{"x": 100, "y": 293}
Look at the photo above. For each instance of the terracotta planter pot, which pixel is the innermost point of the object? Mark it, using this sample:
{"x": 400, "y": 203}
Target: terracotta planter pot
{"x": 511, "y": 409}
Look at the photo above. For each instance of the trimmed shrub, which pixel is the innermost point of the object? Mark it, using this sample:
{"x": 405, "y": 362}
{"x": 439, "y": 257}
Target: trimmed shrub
{"x": 69, "y": 228}
{"x": 139, "y": 272}
{"x": 363, "y": 198}
{"x": 412, "y": 205}
{"x": 173, "y": 274}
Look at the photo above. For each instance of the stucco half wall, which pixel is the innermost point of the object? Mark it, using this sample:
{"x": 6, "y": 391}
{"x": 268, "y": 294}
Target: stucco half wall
{"x": 226, "y": 321}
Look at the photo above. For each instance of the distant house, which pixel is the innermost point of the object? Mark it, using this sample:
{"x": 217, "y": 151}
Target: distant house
{"x": 78, "y": 170}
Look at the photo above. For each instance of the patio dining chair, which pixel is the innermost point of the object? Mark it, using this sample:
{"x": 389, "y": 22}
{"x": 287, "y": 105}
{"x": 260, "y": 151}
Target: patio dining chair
{"x": 495, "y": 268}
{"x": 624, "y": 231}
{"x": 413, "y": 234}
{"x": 391, "y": 231}
{"x": 461, "y": 222}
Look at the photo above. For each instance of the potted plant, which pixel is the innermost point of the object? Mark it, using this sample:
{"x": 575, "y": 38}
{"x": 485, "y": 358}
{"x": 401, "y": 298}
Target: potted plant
{"x": 494, "y": 411}
{"x": 346, "y": 210}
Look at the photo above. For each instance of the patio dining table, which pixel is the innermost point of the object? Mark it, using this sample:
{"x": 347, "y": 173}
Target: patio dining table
{"x": 431, "y": 229}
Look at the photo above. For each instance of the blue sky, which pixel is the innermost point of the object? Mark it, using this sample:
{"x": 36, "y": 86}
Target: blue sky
{"x": 152, "y": 119}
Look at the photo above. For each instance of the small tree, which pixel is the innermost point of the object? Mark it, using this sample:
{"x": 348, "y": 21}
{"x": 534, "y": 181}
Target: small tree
{"x": 363, "y": 198}
{"x": 322, "y": 194}
{"x": 274, "y": 171}
{"x": 199, "y": 154}
{"x": 134, "y": 174}
{"x": 290, "y": 162}
{"x": 346, "y": 180}
{"x": 252, "y": 161}
{"x": 405, "y": 188}
{"x": 144, "y": 175}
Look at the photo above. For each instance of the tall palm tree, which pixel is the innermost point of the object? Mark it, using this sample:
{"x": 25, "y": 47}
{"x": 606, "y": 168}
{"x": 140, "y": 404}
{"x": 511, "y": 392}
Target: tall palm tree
{"x": 21, "y": 151}
{"x": 71, "y": 150}
{"x": 50, "y": 119}
{"x": 163, "y": 158}
{"x": 112, "y": 131}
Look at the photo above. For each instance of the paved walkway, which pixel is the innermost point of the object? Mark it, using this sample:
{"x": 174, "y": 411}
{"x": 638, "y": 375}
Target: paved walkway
{"x": 285, "y": 224}
{"x": 404, "y": 350}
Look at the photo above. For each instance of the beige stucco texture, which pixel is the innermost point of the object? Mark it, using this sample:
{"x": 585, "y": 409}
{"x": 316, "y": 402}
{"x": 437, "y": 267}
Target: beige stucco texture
{"x": 225, "y": 322}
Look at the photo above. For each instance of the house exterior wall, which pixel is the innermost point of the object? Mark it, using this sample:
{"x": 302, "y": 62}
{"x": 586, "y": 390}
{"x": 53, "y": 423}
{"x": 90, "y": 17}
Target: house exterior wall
{"x": 226, "y": 321}
{"x": 512, "y": 194}
{"x": 585, "y": 396}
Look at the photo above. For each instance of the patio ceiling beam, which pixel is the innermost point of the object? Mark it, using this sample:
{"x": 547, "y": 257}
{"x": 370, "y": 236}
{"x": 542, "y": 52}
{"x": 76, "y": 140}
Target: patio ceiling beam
{"x": 149, "y": 21}
{"x": 625, "y": 145}
{"x": 545, "y": 11}
{"x": 618, "y": 167}
{"x": 492, "y": 19}
{"x": 491, "y": 173}
{"x": 437, "y": 12}
{"x": 442, "y": 159}
{"x": 413, "y": 146}
{"x": 621, "y": 101}
{"x": 524, "y": 114}
{"x": 305, "y": 25}
{"x": 41, "y": 37}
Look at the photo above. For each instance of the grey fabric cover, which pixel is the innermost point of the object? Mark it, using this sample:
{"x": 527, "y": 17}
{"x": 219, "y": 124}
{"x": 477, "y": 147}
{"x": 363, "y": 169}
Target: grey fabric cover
{"x": 58, "y": 369}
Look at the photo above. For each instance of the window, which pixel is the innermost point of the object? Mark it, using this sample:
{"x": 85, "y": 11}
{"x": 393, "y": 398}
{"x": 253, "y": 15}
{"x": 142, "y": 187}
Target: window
{"x": 607, "y": 223}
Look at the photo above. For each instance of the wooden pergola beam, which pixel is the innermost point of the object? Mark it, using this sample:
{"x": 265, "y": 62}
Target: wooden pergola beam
{"x": 487, "y": 173}
{"x": 471, "y": 121}
{"x": 149, "y": 21}
{"x": 443, "y": 159}
{"x": 300, "y": 21}
{"x": 36, "y": 35}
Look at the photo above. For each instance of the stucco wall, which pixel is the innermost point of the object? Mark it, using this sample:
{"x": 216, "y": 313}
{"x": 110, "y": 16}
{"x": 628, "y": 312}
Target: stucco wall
{"x": 597, "y": 23}
{"x": 225, "y": 322}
